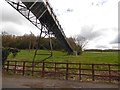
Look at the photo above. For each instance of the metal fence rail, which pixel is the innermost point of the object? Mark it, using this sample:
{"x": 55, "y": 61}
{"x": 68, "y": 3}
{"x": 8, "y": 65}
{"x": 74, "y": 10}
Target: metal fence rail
{"x": 67, "y": 71}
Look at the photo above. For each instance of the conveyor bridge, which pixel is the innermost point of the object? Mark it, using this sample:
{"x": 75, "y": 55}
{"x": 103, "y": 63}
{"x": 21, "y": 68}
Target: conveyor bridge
{"x": 40, "y": 13}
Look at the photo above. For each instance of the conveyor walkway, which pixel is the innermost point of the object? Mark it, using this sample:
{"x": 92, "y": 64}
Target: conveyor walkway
{"x": 43, "y": 12}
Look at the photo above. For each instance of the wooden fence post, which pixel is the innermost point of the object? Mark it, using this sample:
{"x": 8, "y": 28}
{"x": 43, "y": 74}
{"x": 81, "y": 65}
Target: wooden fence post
{"x": 66, "y": 71}
{"x": 93, "y": 73}
{"x": 15, "y": 67}
{"x": 7, "y": 66}
{"x": 55, "y": 69}
{"x": 80, "y": 71}
{"x": 33, "y": 64}
{"x": 43, "y": 69}
{"x": 109, "y": 73}
{"x": 23, "y": 68}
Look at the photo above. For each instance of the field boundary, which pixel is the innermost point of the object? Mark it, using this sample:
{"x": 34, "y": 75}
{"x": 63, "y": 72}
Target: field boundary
{"x": 66, "y": 71}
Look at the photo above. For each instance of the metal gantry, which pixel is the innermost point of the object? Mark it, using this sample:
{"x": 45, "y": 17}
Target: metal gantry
{"x": 49, "y": 34}
{"x": 40, "y": 14}
{"x": 22, "y": 9}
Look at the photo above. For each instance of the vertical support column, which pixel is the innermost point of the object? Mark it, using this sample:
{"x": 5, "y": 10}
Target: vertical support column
{"x": 50, "y": 43}
{"x": 18, "y": 6}
{"x": 37, "y": 44}
{"x": 28, "y": 14}
{"x": 36, "y": 22}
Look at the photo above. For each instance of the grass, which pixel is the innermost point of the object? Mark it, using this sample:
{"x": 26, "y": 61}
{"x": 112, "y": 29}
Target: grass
{"x": 58, "y": 56}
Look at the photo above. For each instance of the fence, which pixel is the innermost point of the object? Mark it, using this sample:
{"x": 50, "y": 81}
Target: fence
{"x": 67, "y": 71}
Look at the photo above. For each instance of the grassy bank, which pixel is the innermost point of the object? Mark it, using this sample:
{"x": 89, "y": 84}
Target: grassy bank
{"x": 58, "y": 56}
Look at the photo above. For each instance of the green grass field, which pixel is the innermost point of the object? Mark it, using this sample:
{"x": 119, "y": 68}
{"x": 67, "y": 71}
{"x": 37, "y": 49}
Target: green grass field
{"x": 58, "y": 56}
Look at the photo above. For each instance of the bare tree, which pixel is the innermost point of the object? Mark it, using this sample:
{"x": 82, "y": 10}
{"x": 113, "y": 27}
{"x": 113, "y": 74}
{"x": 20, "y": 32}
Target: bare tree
{"x": 81, "y": 41}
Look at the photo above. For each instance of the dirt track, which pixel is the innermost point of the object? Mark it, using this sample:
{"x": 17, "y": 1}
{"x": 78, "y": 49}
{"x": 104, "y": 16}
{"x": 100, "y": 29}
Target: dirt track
{"x": 14, "y": 81}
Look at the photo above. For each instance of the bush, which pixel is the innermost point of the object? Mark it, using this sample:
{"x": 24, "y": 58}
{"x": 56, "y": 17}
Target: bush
{"x": 6, "y": 52}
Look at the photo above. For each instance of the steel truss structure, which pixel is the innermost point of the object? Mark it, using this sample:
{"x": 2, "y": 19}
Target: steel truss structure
{"x": 40, "y": 14}
{"x": 21, "y": 8}
{"x": 49, "y": 34}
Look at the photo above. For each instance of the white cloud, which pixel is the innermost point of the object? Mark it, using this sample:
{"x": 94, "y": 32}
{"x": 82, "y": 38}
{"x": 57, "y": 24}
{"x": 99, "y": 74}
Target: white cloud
{"x": 102, "y": 14}
{"x": 86, "y": 14}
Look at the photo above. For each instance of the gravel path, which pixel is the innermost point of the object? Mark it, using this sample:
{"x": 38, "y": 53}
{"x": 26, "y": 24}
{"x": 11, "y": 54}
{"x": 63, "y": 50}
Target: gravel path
{"x": 14, "y": 81}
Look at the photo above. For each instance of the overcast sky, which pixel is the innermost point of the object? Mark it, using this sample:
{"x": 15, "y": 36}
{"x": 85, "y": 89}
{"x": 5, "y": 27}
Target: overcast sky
{"x": 96, "y": 20}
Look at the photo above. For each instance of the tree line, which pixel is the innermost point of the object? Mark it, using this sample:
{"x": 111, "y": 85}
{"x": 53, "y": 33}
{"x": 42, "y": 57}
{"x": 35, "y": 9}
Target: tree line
{"x": 30, "y": 41}
{"x": 100, "y": 50}
{"x": 12, "y": 44}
